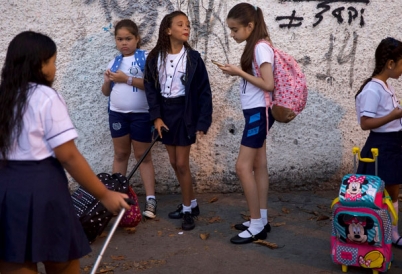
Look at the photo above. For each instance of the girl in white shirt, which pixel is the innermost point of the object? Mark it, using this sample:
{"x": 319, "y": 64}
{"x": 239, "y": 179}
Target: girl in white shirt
{"x": 379, "y": 111}
{"x": 38, "y": 222}
{"x": 246, "y": 23}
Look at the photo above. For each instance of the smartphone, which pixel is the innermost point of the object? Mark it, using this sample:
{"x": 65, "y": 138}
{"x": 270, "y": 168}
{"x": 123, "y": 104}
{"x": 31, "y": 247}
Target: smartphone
{"x": 217, "y": 63}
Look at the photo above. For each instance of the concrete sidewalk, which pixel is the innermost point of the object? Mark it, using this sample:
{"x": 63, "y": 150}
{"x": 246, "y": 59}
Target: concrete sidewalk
{"x": 301, "y": 229}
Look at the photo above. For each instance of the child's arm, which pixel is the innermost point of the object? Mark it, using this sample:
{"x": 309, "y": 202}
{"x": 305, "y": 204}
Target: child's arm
{"x": 265, "y": 82}
{"x": 367, "y": 123}
{"x": 106, "y": 83}
{"x": 121, "y": 77}
{"x": 76, "y": 165}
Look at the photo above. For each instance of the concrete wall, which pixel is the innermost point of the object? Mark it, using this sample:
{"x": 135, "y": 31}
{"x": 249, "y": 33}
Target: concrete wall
{"x": 334, "y": 43}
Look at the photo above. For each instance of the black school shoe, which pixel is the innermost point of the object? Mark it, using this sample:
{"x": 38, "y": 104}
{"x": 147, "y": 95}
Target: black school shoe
{"x": 178, "y": 213}
{"x": 243, "y": 227}
{"x": 188, "y": 221}
{"x": 239, "y": 240}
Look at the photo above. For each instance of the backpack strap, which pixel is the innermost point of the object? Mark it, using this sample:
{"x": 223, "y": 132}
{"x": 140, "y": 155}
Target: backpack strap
{"x": 267, "y": 95}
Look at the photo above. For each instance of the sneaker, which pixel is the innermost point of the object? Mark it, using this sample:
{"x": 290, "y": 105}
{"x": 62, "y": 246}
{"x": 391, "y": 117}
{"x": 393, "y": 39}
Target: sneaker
{"x": 150, "y": 208}
{"x": 188, "y": 221}
{"x": 178, "y": 213}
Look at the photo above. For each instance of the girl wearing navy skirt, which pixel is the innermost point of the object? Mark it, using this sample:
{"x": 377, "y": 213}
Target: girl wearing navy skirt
{"x": 378, "y": 110}
{"x": 179, "y": 97}
{"x": 38, "y": 222}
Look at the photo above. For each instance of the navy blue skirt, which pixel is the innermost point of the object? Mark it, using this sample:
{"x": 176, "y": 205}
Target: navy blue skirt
{"x": 389, "y": 146}
{"x": 173, "y": 117}
{"x": 37, "y": 218}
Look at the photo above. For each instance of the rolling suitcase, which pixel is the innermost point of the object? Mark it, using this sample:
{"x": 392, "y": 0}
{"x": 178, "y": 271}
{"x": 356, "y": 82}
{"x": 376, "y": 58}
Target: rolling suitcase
{"x": 92, "y": 214}
{"x": 361, "y": 221}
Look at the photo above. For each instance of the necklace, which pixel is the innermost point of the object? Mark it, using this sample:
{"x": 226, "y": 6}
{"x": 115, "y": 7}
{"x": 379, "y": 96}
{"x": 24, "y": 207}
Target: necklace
{"x": 174, "y": 73}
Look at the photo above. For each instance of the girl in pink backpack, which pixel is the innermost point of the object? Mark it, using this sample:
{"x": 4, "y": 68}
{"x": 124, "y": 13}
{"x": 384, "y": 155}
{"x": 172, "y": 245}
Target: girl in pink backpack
{"x": 246, "y": 23}
{"x": 379, "y": 111}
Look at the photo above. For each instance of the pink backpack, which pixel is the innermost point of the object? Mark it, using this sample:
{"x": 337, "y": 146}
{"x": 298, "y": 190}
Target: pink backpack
{"x": 290, "y": 92}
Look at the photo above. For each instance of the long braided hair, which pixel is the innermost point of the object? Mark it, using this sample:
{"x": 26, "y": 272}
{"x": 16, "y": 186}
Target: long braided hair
{"x": 246, "y": 13}
{"x": 163, "y": 44}
{"x": 388, "y": 49}
{"x": 26, "y": 54}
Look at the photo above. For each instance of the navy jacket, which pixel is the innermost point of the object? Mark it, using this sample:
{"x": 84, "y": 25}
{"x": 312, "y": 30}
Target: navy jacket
{"x": 198, "y": 97}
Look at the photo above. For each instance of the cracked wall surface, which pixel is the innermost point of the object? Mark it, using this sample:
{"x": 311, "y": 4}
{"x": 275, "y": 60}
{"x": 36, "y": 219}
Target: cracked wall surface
{"x": 334, "y": 42}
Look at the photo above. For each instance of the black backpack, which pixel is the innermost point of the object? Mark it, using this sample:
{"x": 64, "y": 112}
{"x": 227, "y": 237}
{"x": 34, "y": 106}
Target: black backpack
{"x": 93, "y": 216}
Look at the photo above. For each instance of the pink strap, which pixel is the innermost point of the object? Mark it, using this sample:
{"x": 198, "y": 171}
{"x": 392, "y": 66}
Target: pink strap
{"x": 267, "y": 95}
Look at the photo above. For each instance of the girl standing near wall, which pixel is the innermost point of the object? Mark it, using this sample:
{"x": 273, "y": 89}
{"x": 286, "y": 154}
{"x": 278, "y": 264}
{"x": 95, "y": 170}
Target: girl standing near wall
{"x": 38, "y": 222}
{"x": 128, "y": 109}
{"x": 246, "y": 23}
{"x": 379, "y": 111}
{"x": 179, "y": 98}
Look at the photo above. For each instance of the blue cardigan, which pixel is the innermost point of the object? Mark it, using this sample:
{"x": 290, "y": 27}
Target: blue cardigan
{"x": 198, "y": 97}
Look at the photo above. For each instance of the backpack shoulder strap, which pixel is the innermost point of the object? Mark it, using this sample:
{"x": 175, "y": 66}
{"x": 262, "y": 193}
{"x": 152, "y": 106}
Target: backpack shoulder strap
{"x": 117, "y": 63}
{"x": 140, "y": 59}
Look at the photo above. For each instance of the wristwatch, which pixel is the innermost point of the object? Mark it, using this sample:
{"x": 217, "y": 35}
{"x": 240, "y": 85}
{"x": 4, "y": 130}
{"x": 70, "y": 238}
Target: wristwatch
{"x": 130, "y": 81}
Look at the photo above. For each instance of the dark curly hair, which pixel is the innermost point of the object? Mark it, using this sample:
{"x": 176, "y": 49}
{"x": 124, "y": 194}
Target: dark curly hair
{"x": 246, "y": 13}
{"x": 388, "y": 49}
{"x": 163, "y": 44}
{"x": 22, "y": 71}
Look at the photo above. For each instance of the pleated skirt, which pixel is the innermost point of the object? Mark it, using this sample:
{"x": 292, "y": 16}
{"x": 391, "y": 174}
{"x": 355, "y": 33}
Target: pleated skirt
{"x": 37, "y": 218}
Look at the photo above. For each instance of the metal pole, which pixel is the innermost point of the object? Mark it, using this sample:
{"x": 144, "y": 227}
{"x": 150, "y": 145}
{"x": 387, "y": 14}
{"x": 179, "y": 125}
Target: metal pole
{"x": 109, "y": 237}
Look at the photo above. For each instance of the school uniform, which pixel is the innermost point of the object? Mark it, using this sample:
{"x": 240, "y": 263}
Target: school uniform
{"x": 253, "y": 103}
{"x": 377, "y": 100}
{"x": 37, "y": 218}
{"x": 180, "y": 94}
{"x": 128, "y": 106}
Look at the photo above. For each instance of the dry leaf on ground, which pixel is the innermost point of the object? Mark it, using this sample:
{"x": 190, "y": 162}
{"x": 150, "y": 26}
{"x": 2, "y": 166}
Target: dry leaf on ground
{"x": 214, "y": 219}
{"x": 204, "y": 236}
{"x": 117, "y": 258}
{"x": 278, "y": 224}
{"x": 285, "y": 210}
{"x": 214, "y": 199}
{"x": 322, "y": 218}
{"x": 130, "y": 230}
{"x": 267, "y": 244}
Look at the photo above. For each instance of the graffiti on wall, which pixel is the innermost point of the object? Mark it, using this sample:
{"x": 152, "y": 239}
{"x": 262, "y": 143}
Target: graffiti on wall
{"x": 351, "y": 13}
{"x": 144, "y": 10}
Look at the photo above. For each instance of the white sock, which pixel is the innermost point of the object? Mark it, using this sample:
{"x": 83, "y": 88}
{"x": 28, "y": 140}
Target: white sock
{"x": 394, "y": 233}
{"x": 186, "y": 208}
{"x": 264, "y": 216}
{"x": 194, "y": 203}
{"x": 150, "y": 196}
{"x": 256, "y": 226}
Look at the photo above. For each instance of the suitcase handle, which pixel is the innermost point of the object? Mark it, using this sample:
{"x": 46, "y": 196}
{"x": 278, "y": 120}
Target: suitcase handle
{"x": 374, "y": 151}
{"x": 387, "y": 200}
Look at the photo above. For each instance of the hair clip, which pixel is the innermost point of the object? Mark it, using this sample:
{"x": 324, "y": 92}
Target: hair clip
{"x": 255, "y": 7}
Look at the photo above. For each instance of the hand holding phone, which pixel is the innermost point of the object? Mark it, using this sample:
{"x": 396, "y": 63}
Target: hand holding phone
{"x": 217, "y": 63}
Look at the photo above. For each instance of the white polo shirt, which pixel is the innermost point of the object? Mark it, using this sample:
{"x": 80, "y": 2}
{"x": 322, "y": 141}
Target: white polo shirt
{"x": 377, "y": 100}
{"x": 46, "y": 125}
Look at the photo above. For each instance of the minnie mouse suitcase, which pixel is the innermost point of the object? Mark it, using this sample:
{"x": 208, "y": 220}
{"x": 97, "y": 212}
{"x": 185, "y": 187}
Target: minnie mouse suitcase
{"x": 361, "y": 221}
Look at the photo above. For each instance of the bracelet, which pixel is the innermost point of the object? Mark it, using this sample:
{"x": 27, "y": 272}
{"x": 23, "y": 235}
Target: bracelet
{"x": 130, "y": 81}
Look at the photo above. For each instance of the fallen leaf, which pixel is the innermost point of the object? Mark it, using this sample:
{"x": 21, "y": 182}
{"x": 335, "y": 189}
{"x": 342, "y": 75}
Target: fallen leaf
{"x": 117, "y": 258}
{"x": 278, "y": 224}
{"x": 322, "y": 206}
{"x": 103, "y": 235}
{"x": 267, "y": 244}
{"x": 322, "y": 218}
{"x": 285, "y": 210}
{"x": 245, "y": 215}
{"x": 214, "y": 219}
{"x": 204, "y": 236}
{"x": 213, "y": 200}
{"x": 159, "y": 233}
{"x": 130, "y": 230}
